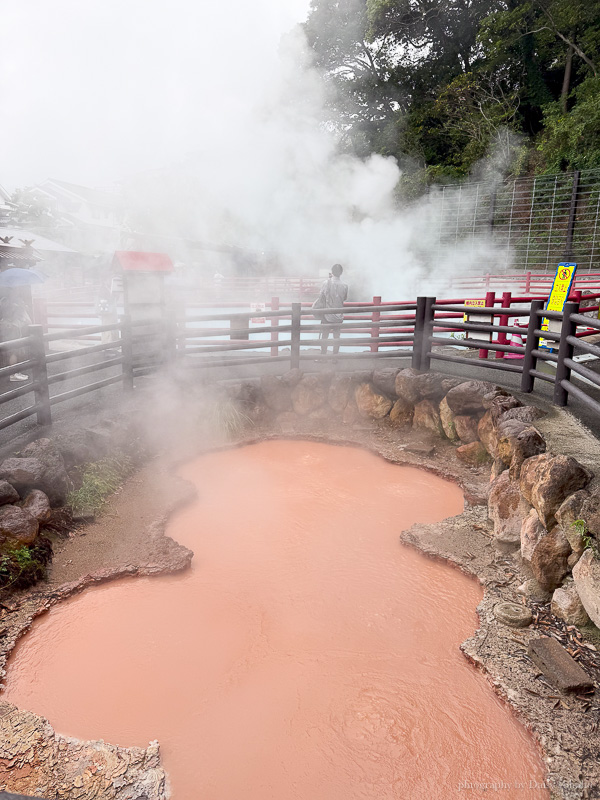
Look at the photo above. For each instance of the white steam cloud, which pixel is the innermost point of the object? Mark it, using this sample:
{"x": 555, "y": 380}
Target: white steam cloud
{"x": 211, "y": 117}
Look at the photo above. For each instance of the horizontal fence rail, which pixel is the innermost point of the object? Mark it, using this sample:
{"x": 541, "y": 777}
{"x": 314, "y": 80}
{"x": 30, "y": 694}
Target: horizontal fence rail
{"x": 510, "y": 334}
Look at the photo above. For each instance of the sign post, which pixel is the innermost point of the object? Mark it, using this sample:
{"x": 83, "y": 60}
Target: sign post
{"x": 561, "y": 288}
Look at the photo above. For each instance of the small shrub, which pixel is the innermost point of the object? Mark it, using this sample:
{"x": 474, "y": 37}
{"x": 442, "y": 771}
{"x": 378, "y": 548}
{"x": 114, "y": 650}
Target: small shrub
{"x": 589, "y": 542}
{"x": 22, "y": 565}
{"x": 98, "y": 481}
{"x": 225, "y": 418}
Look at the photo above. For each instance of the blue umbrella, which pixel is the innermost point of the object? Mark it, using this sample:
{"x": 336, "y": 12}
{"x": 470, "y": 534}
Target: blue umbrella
{"x": 20, "y": 277}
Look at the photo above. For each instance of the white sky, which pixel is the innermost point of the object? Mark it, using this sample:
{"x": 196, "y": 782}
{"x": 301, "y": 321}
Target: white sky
{"x": 94, "y": 90}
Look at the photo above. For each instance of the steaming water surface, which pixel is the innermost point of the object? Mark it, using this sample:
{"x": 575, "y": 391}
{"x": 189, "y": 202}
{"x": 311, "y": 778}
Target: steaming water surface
{"x": 306, "y": 656}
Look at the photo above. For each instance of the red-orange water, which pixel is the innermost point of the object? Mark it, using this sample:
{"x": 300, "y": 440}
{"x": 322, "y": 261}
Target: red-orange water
{"x": 306, "y": 656}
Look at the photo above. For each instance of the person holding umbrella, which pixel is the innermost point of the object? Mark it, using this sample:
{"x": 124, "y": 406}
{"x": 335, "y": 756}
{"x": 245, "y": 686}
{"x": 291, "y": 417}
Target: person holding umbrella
{"x": 15, "y": 310}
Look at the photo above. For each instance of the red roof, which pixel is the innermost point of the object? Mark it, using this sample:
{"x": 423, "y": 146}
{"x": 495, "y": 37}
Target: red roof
{"x": 132, "y": 261}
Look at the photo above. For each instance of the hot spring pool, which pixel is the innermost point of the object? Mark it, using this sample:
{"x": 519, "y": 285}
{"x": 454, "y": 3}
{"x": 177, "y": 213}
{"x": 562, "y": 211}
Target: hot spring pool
{"x": 307, "y": 655}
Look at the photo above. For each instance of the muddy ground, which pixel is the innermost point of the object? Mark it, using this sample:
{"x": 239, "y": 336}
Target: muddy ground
{"x": 128, "y": 539}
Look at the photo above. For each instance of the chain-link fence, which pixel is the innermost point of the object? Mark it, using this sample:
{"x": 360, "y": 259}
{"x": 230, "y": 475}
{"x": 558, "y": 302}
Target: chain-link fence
{"x": 533, "y": 223}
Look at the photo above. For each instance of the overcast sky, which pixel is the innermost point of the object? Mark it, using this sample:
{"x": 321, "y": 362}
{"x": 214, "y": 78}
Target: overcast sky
{"x": 94, "y": 91}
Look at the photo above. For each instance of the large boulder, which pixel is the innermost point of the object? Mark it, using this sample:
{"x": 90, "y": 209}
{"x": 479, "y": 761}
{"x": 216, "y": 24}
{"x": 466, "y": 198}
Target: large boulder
{"x": 22, "y": 472}
{"x": 473, "y": 454}
{"x": 309, "y": 394}
{"x": 56, "y": 483}
{"x": 468, "y": 398}
{"x": 370, "y": 403}
{"x": 526, "y": 414}
{"x": 567, "y": 605}
{"x": 407, "y": 385}
{"x": 466, "y": 428}
{"x": 580, "y": 513}
{"x": 38, "y": 505}
{"x": 532, "y": 531}
{"x": 586, "y": 574}
{"x": 277, "y": 395}
{"x": 384, "y": 381}
{"x": 507, "y": 508}
{"x": 547, "y": 480}
{"x": 292, "y": 377}
{"x": 571, "y": 520}
{"x": 17, "y": 525}
{"x": 488, "y": 424}
{"x": 431, "y": 386}
{"x": 402, "y": 414}
{"x": 339, "y": 392}
{"x": 549, "y": 562}
{"x": 516, "y": 442}
{"x": 447, "y": 419}
{"x": 488, "y": 434}
{"x": 8, "y": 493}
{"x": 427, "y": 417}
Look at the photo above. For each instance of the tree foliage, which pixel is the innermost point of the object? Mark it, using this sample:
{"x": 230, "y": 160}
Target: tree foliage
{"x": 436, "y": 82}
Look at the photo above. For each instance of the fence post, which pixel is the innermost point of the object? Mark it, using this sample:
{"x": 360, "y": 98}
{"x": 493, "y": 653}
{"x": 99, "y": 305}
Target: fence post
{"x": 568, "y": 254}
{"x": 532, "y": 343}
{"x": 565, "y": 350}
{"x": 492, "y": 214}
{"x": 528, "y": 283}
{"x": 40, "y": 313}
{"x": 274, "y": 324}
{"x": 40, "y": 374}
{"x": 375, "y": 317}
{"x": 428, "y": 320}
{"x": 502, "y": 337}
{"x": 170, "y": 337}
{"x": 418, "y": 333}
{"x": 127, "y": 352}
{"x": 490, "y": 299}
{"x": 295, "y": 338}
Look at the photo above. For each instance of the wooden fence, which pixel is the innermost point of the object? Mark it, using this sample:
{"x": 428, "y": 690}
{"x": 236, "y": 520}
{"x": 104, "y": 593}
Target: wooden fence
{"x": 406, "y": 334}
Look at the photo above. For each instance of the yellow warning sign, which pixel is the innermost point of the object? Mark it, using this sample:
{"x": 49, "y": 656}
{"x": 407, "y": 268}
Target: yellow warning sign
{"x": 480, "y": 318}
{"x": 561, "y": 288}
{"x": 480, "y": 303}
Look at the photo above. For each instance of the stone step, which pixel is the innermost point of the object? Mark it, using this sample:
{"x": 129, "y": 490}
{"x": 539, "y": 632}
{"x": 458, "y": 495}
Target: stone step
{"x": 558, "y": 666}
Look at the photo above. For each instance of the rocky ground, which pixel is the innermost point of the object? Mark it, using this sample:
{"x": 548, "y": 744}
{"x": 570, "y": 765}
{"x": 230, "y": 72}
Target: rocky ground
{"x": 128, "y": 539}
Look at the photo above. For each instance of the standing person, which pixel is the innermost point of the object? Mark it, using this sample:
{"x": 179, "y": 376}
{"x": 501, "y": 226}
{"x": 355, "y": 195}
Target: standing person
{"x": 333, "y": 294}
{"x": 14, "y": 321}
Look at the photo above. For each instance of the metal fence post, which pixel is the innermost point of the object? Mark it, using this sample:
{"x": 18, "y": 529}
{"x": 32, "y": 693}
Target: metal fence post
{"x": 40, "y": 374}
{"x": 532, "y": 343}
{"x": 295, "y": 338}
{"x": 418, "y": 333}
{"x": 565, "y": 350}
{"x": 127, "y": 352}
{"x": 490, "y": 300}
{"x": 428, "y": 321}
{"x": 568, "y": 254}
{"x": 502, "y": 337}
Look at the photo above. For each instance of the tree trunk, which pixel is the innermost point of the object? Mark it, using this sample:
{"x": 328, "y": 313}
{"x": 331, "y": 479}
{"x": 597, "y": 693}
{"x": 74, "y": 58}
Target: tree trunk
{"x": 566, "y": 87}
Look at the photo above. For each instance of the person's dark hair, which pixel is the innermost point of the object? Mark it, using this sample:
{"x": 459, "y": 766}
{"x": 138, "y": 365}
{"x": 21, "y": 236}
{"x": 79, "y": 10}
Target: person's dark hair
{"x": 337, "y": 270}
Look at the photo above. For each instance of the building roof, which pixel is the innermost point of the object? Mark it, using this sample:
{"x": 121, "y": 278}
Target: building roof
{"x": 39, "y": 242}
{"x": 134, "y": 261}
{"x": 11, "y": 253}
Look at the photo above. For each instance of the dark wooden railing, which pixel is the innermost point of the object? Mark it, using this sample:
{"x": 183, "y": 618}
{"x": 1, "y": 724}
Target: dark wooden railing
{"x": 409, "y": 334}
